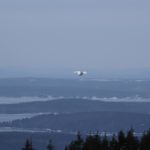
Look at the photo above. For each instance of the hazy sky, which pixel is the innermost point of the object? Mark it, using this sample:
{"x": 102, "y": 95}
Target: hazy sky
{"x": 74, "y": 34}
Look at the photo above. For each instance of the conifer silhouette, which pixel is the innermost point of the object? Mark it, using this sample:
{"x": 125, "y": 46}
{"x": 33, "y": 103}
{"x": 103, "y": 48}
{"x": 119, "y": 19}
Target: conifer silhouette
{"x": 28, "y": 145}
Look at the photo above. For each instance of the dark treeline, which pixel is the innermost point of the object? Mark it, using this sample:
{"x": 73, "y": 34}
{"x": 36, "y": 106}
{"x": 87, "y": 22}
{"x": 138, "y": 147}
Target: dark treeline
{"x": 121, "y": 141}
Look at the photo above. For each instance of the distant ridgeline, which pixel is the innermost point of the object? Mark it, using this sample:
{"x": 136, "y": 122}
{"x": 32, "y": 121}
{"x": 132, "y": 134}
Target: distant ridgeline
{"x": 121, "y": 141}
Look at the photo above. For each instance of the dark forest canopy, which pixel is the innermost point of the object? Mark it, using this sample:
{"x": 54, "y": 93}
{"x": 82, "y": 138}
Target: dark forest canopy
{"x": 121, "y": 141}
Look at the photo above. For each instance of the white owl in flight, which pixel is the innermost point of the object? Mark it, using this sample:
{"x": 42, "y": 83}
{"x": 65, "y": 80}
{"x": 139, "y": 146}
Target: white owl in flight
{"x": 80, "y": 73}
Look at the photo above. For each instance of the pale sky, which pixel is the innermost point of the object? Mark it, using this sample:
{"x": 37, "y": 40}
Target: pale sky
{"x": 42, "y": 35}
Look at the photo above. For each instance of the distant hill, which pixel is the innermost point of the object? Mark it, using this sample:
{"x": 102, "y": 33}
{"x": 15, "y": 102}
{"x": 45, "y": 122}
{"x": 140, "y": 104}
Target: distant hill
{"x": 74, "y": 105}
{"x": 85, "y": 122}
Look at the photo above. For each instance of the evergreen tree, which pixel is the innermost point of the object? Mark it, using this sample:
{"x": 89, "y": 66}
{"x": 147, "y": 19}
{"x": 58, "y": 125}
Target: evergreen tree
{"x": 92, "y": 143}
{"x": 50, "y": 145}
{"x": 132, "y": 141}
{"x": 66, "y": 147}
{"x": 105, "y": 143}
{"x": 28, "y": 145}
{"x": 76, "y": 144}
{"x": 114, "y": 143}
{"x": 145, "y": 141}
{"x": 121, "y": 140}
